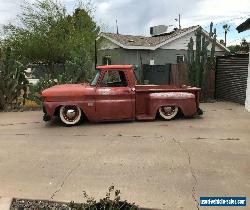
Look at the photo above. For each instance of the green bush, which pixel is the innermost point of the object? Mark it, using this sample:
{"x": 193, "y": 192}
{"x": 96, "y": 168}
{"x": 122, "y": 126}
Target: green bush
{"x": 35, "y": 90}
{"x": 12, "y": 79}
{"x": 73, "y": 73}
{"x": 47, "y": 34}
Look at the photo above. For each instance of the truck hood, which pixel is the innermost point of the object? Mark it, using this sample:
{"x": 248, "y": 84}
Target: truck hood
{"x": 67, "y": 92}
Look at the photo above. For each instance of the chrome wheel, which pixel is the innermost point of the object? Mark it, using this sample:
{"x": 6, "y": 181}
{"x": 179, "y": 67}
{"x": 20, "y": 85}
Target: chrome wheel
{"x": 70, "y": 115}
{"x": 168, "y": 112}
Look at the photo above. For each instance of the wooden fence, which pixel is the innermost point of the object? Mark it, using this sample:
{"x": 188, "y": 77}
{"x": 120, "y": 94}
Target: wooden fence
{"x": 179, "y": 76}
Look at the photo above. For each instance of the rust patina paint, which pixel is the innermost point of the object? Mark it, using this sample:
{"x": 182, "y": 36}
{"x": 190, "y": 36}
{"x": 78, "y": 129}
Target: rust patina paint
{"x": 121, "y": 103}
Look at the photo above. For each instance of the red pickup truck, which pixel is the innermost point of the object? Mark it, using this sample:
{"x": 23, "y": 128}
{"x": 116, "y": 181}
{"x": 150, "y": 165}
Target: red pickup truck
{"x": 114, "y": 96}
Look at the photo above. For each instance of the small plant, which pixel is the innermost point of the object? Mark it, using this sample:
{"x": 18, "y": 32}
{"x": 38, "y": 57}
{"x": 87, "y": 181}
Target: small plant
{"x": 112, "y": 201}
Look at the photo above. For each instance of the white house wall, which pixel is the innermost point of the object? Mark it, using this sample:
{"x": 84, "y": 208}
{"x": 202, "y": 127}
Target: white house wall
{"x": 217, "y": 49}
{"x": 182, "y": 43}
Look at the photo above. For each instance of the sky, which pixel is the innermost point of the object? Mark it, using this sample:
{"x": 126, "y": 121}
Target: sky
{"x": 137, "y": 16}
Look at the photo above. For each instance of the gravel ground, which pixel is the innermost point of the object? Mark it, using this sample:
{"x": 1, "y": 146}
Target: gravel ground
{"x": 19, "y": 204}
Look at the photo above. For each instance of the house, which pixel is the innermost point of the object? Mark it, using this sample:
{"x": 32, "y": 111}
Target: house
{"x": 162, "y": 47}
{"x": 243, "y": 27}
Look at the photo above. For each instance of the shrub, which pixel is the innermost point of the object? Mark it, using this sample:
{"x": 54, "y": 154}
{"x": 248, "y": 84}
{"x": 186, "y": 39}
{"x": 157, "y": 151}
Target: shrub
{"x": 43, "y": 83}
{"x": 12, "y": 79}
{"x": 105, "y": 203}
{"x": 112, "y": 201}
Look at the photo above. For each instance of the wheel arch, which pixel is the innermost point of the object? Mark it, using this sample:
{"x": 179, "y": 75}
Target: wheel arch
{"x": 185, "y": 102}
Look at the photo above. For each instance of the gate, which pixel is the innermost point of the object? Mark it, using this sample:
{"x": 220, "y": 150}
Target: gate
{"x": 157, "y": 74}
{"x": 231, "y": 78}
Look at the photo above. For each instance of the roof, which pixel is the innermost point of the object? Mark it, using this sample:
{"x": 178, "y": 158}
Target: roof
{"x": 115, "y": 67}
{"x": 142, "y": 42}
{"x": 150, "y": 43}
{"x": 244, "y": 26}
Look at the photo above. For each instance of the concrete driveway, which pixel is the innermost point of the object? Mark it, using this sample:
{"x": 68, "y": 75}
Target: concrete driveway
{"x": 165, "y": 165}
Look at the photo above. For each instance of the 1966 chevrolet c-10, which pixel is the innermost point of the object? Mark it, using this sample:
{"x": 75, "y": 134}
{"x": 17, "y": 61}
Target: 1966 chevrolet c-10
{"x": 114, "y": 96}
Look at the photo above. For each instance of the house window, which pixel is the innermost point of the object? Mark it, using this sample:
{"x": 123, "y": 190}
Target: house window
{"x": 106, "y": 60}
{"x": 114, "y": 79}
{"x": 180, "y": 58}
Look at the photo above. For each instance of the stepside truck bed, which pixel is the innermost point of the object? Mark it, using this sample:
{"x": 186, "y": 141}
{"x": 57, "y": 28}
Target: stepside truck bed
{"x": 150, "y": 97}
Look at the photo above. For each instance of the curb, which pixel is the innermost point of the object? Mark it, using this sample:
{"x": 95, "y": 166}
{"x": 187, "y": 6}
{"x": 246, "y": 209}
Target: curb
{"x": 5, "y": 203}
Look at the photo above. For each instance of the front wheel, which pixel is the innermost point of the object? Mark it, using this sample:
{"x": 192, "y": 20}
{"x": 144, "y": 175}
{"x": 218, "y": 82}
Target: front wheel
{"x": 168, "y": 112}
{"x": 70, "y": 114}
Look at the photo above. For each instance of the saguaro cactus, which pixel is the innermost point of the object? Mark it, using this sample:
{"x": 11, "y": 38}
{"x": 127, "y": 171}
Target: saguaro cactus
{"x": 191, "y": 61}
{"x": 199, "y": 65}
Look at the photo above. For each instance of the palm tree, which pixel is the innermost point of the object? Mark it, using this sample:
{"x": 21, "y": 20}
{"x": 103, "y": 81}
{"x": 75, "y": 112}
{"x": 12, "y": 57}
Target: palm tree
{"x": 226, "y": 28}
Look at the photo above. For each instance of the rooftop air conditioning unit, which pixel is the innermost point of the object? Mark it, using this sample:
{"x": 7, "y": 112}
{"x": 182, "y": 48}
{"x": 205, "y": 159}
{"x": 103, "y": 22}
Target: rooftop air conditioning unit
{"x": 158, "y": 30}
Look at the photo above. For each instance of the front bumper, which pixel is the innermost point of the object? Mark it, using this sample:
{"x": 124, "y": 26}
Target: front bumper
{"x": 199, "y": 111}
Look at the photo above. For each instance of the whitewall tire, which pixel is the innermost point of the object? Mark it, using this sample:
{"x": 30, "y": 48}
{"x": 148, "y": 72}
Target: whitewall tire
{"x": 70, "y": 114}
{"x": 168, "y": 112}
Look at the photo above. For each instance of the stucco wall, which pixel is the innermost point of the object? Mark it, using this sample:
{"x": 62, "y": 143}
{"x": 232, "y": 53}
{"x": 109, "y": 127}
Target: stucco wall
{"x": 247, "y": 104}
{"x": 134, "y": 57}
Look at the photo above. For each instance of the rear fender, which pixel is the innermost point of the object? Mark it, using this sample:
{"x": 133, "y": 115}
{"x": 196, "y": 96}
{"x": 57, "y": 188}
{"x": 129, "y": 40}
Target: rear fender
{"x": 184, "y": 100}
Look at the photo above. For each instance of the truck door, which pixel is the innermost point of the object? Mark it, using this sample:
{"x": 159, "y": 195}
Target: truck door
{"x": 115, "y": 100}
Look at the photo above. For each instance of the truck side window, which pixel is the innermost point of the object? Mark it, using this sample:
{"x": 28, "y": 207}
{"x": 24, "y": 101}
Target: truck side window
{"x": 114, "y": 78}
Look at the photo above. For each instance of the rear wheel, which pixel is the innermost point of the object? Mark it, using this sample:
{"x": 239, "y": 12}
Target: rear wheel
{"x": 70, "y": 114}
{"x": 168, "y": 112}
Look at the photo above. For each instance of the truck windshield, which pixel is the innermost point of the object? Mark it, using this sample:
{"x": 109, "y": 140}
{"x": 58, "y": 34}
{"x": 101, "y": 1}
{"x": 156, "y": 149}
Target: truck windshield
{"x": 95, "y": 80}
